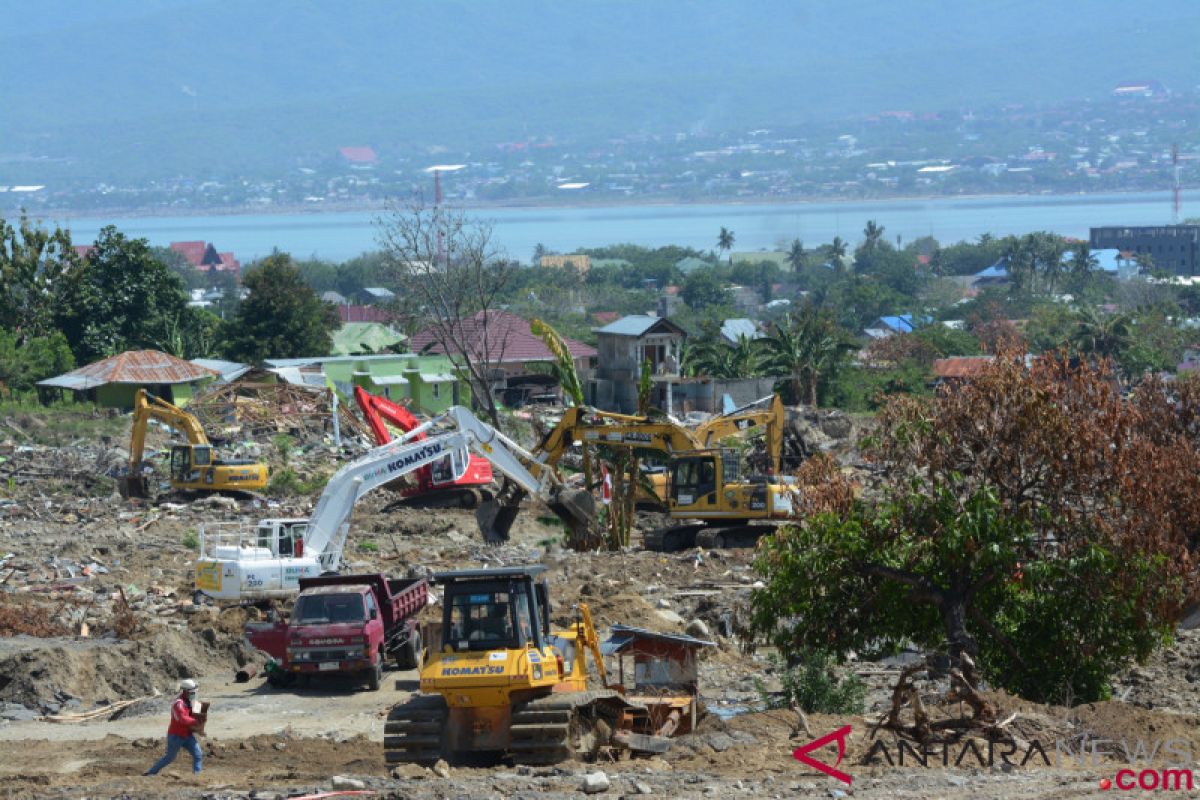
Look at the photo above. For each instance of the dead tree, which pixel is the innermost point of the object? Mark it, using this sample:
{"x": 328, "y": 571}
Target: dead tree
{"x": 450, "y": 279}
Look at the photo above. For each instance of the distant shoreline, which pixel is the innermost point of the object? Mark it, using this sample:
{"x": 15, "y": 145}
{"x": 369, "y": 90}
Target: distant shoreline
{"x": 308, "y": 209}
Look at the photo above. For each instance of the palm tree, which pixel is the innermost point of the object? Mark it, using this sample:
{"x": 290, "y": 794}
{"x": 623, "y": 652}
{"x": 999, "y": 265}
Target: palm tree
{"x": 718, "y": 359}
{"x": 1100, "y": 334}
{"x": 837, "y": 253}
{"x": 1083, "y": 261}
{"x": 806, "y": 348}
{"x": 795, "y": 256}
{"x": 725, "y": 242}
{"x": 873, "y": 233}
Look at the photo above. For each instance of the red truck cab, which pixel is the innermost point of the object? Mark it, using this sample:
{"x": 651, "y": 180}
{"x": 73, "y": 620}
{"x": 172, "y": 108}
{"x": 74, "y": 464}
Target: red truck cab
{"x": 346, "y": 624}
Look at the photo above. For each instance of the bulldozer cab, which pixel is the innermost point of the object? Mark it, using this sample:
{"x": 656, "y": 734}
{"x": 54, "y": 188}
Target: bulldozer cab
{"x": 499, "y": 609}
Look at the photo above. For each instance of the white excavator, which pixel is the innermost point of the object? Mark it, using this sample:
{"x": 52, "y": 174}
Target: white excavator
{"x": 270, "y": 559}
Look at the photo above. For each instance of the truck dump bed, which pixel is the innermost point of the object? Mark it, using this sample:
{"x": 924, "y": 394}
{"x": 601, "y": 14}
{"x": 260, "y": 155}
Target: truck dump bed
{"x": 399, "y": 598}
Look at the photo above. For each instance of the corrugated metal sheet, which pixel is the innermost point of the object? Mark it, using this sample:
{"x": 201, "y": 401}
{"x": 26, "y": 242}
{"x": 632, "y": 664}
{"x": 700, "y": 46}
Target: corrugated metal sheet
{"x": 627, "y": 633}
{"x": 639, "y": 325}
{"x": 138, "y": 367}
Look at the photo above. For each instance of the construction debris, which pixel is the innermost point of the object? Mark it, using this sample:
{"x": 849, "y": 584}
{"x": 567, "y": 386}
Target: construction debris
{"x": 257, "y": 410}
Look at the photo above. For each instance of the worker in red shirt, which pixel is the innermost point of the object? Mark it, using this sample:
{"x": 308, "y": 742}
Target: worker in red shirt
{"x": 181, "y": 731}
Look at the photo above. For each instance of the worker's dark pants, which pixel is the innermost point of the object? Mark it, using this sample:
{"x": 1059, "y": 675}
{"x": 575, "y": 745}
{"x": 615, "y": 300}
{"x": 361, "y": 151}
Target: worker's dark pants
{"x": 174, "y": 742}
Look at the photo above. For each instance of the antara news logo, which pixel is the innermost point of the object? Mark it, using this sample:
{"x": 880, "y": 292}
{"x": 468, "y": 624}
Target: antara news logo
{"x": 1139, "y": 755}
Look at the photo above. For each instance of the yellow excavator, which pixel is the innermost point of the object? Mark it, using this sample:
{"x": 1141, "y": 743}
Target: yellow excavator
{"x": 194, "y": 466}
{"x": 703, "y": 488}
{"x": 592, "y": 426}
{"x": 498, "y": 681}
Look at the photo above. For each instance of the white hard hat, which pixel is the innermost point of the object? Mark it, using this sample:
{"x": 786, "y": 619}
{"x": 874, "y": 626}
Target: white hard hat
{"x": 187, "y": 685}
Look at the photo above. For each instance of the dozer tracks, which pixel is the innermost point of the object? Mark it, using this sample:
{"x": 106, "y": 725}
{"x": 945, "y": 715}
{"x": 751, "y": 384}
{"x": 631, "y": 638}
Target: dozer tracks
{"x": 413, "y": 731}
{"x": 562, "y": 727}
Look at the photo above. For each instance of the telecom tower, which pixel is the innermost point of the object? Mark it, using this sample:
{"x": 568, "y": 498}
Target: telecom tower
{"x": 1175, "y": 193}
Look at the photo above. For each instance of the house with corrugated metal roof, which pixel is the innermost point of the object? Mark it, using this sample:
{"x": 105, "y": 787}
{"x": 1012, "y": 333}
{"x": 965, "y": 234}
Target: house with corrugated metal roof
{"x": 623, "y": 347}
{"x": 113, "y": 382}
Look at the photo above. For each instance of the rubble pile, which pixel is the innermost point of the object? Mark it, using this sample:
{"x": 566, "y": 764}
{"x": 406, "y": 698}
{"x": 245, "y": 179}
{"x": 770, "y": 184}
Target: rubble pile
{"x": 258, "y": 411}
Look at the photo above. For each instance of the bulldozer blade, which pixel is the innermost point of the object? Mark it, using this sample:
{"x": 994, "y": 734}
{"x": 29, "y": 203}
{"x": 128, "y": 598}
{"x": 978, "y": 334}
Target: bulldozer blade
{"x": 641, "y": 742}
{"x": 495, "y": 520}
{"x": 132, "y": 486}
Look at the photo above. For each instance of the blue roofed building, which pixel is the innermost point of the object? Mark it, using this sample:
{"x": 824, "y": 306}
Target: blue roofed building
{"x": 890, "y": 326}
{"x": 624, "y": 345}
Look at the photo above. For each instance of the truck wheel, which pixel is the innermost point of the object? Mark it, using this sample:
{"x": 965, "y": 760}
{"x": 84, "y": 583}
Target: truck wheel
{"x": 409, "y": 654}
{"x": 375, "y": 674}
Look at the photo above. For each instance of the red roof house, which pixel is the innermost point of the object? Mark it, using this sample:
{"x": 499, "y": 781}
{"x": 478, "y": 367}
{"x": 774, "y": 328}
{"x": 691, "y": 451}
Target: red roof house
{"x": 502, "y": 339}
{"x": 204, "y": 257}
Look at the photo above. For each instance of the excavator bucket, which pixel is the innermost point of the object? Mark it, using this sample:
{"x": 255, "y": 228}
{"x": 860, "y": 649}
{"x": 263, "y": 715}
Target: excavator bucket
{"x": 495, "y": 518}
{"x": 577, "y": 509}
{"x": 133, "y": 486}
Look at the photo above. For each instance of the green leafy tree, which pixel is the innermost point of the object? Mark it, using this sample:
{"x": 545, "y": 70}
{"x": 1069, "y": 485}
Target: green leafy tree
{"x": 281, "y": 317}
{"x": 34, "y": 265}
{"x": 1034, "y": 519}
{"x": 23, "y": 365}
{"x": 702, "y": 289}
{"x": 725, "y": 242}
{"x": 122, "y": 298}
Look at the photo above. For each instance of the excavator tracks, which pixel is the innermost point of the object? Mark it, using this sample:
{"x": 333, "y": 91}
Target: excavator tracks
{"x": 413, "y": 731}
{"x": 562, "y": 727}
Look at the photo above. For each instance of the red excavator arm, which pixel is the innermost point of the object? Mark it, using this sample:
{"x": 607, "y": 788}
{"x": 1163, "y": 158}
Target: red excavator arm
{"x": 377, "y": 409}
{"x": 433, "y": 488}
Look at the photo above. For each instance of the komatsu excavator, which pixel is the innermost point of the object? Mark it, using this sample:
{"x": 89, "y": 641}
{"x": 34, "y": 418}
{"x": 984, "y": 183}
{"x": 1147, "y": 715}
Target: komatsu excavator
{"x": 194, "y": 466}
{"x": 435, "y": 487}
{"x": 269, "y": 560}
{"x": 499, "y": 681}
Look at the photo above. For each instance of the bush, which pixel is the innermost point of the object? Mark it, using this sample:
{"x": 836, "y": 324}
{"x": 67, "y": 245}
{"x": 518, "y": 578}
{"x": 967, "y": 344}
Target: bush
{"x": 815, "y": 686}
{"x": 190, "y": 540}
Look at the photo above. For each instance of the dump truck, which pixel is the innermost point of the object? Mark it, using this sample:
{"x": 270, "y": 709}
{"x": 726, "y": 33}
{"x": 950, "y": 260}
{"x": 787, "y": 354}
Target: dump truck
{"x": 499, "y": 682}
{"x": 435, "y": 486}
{"x": 194, "y": 466}
{"x": 346, "y": 624}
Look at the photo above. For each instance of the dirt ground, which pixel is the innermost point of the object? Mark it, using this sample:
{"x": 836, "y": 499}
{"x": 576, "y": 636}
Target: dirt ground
{"x": 76, "y": 558}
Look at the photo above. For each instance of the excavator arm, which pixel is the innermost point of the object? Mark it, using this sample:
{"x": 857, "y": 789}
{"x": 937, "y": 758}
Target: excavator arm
{"x": 146, "y": 407}
{"x": 528, "y": 473}
{"x": 379, "y": 410}
{"x": 772, "y": 418}
{"x": 329, "y": 524}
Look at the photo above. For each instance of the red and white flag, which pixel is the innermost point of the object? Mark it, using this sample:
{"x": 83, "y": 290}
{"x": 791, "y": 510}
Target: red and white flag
{"x": 605, "y": 485}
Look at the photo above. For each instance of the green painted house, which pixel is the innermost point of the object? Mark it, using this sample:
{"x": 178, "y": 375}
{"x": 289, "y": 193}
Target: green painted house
{"x": 113, "y": 382}
{"x": 427, "y": 381}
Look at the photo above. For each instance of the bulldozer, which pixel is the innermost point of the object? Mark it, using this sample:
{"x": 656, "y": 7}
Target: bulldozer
{"x": 194, "y": 466}
{"x": 498, "y": 682}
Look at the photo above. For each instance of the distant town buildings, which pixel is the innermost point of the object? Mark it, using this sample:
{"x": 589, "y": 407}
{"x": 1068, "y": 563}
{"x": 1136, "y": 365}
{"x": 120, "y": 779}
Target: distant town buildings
{"x": 1173, "y": 248}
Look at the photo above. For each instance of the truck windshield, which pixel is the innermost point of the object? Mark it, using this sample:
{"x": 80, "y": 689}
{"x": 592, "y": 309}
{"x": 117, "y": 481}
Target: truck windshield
{"x": 318, "y": 609}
